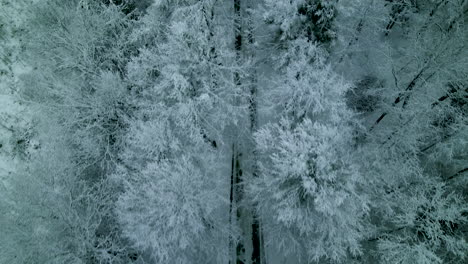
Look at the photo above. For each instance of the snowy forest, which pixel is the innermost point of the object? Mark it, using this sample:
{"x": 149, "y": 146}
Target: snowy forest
{"x": 233, "y": 131}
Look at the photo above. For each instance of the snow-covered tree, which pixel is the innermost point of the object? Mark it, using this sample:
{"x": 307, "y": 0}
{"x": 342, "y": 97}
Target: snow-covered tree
{"x": 412, "y": 145}
{"x": 79, "y": 56}
{"x": 311, "y": 18}
{"x": 50, "y": 215}
{"x": 309, "y": 184}
{"x": 172, "y": 209}
{"x": 77, "y": 53}
{"x": 182, "y": 86}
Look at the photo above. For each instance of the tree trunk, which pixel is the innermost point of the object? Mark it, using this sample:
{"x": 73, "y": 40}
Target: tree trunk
{"x": 236, "y": 173}
{"x": 231, "y": 201}
{"x": 257, "y": 235}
